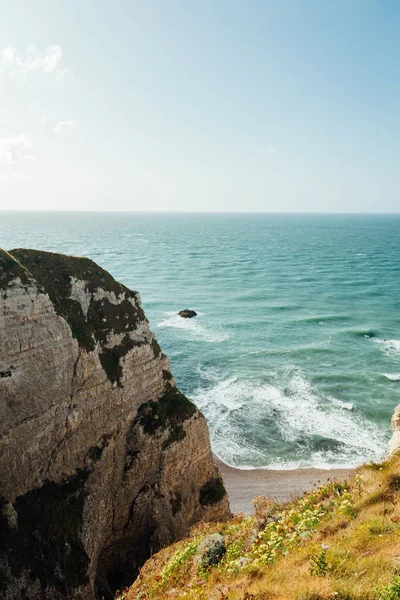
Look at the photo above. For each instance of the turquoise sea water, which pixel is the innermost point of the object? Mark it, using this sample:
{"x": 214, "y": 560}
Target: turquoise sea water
{"x": 295, "y": 355}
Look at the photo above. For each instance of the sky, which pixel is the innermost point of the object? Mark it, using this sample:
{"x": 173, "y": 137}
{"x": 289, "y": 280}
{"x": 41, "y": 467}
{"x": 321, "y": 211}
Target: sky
{"x": 218, "y": 105}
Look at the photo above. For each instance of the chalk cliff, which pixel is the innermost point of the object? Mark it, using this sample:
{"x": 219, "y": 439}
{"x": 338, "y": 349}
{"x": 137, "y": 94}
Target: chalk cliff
{"x": 394, "y": 444}
{"x": 102, "y": 460}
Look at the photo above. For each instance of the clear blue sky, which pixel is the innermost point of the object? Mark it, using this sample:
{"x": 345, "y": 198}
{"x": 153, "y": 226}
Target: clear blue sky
{"x": 200, "y": 105}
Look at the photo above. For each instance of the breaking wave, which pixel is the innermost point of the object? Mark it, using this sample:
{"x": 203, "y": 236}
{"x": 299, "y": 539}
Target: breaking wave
{"x": 391, "y": 376}
{"x": 256, "y": 424}
{"x": 390, "y": 347}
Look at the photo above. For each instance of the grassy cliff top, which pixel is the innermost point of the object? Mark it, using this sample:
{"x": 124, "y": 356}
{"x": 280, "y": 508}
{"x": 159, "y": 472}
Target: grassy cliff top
{"x": 56, "y": 273}
{"x": 339, "y": 542}
{"x": 53, "y": 271}
{"x": 10, "y": 269}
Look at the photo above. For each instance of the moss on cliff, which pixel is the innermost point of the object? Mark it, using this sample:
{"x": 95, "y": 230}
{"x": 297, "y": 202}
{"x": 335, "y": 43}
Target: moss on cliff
{"x": 168, "y": 413}
{"x": 10, "y": 269}
{"x": 55, "y": 272}
{"x": 212, "y": 491}
{"x": 156, "y": 347}
{"x": 45, "y": 542}
{"x": 110, "y": 358}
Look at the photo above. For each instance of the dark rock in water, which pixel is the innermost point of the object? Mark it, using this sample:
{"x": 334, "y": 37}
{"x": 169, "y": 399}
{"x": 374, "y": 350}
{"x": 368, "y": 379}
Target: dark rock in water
{"x": 187, "y": 313}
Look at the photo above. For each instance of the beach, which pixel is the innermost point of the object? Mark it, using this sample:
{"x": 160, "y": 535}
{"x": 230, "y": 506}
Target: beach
{"x": 281, "y": 485}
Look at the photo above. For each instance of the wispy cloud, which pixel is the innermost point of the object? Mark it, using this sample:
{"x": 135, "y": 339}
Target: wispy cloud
{"x": 34, "y": 60}
{"x": 7, "y": 56}
{"x": 46, "y": 118}
{"x": 15, "y": 150}
{"x": 62, "y": 125}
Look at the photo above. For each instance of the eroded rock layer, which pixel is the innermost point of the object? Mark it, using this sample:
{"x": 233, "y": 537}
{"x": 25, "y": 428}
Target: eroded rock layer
{"x": 394, "y": 444}
{"x": 102, "y": 460}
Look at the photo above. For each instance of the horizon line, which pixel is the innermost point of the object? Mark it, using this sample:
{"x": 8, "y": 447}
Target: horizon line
{"x": 187, "y": 212}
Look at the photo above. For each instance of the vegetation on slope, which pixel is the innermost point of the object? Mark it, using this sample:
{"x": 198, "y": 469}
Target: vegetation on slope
{"x": 339, "y": 542}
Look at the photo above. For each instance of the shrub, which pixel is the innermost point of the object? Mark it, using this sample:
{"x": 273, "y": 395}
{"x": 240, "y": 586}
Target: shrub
{"x": 211, "y": 551}
{"x": 319, "y": 564}
{"x": 391, "y": 591}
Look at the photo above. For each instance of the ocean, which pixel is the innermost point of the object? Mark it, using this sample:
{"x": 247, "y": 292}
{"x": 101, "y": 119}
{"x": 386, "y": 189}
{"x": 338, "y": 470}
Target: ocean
{"x": 294, "y": 357}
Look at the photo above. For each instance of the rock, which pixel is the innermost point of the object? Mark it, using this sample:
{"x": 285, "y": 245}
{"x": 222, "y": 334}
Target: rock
{"x": 211, "y": 550}
{"x": 394, "y": 443}
{"x": 102, "y": 459}
{"x": 187, "y": 313}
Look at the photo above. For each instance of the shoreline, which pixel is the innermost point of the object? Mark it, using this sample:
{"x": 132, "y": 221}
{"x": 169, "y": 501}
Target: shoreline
{"x": 243, "y": 486}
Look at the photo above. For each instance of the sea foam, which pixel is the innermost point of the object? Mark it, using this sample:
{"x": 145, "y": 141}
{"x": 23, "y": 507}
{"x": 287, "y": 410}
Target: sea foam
{"x": 390, "y": 347}
{"x": 391, "y": 376}
{"x": 323, "y": 432}
{"x": 191, "y": 328}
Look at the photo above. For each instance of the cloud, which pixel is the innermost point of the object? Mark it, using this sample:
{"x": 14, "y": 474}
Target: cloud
{"x": 14, "y": 150}
{"x": 46, "y": 62}
{"x": 43, "y": 120}
{"x": 46, "y": 118}
{"x": 7, "y": 56}
{"x": 35, "y": 61}
{"x": 61, "y": 125}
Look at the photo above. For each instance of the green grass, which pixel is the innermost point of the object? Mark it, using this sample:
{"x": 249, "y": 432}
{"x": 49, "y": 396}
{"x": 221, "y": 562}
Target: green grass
{"x": 339, "y": 542}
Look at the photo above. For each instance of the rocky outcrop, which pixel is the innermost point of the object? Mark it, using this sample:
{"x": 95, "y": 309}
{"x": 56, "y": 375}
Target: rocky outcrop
{"x": 394, "y": 444}
{"x": 102, "y": 460}
{"x": 187, "y": 313}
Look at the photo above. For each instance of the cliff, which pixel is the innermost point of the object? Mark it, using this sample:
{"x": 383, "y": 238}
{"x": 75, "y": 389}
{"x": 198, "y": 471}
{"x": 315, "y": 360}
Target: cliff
{"x": 394, "y": 444}
{"x": 102, "y": 460}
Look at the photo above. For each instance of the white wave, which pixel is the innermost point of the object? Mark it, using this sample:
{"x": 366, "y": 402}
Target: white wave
{"x": 192, "y": 329}
{"x": 390, "y": 347}
{"x": 318, "y": 461}
{"x": 209, "y": 373}
{"x": 346, "y": 405}
{"x": 391, "y": 376}
{"x": 240, "y": 412}
{"x": 253, "y": 353}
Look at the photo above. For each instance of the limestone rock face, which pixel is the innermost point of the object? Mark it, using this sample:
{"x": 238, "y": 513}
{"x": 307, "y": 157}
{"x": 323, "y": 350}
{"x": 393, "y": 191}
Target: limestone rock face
{"x": 102, "y": 460}
{"x": 394, "y": 443}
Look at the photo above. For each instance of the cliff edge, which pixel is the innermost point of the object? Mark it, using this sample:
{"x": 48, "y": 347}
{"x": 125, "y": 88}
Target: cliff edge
{"x": 394, "y": 444}
{"x": 102, "y": 460}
